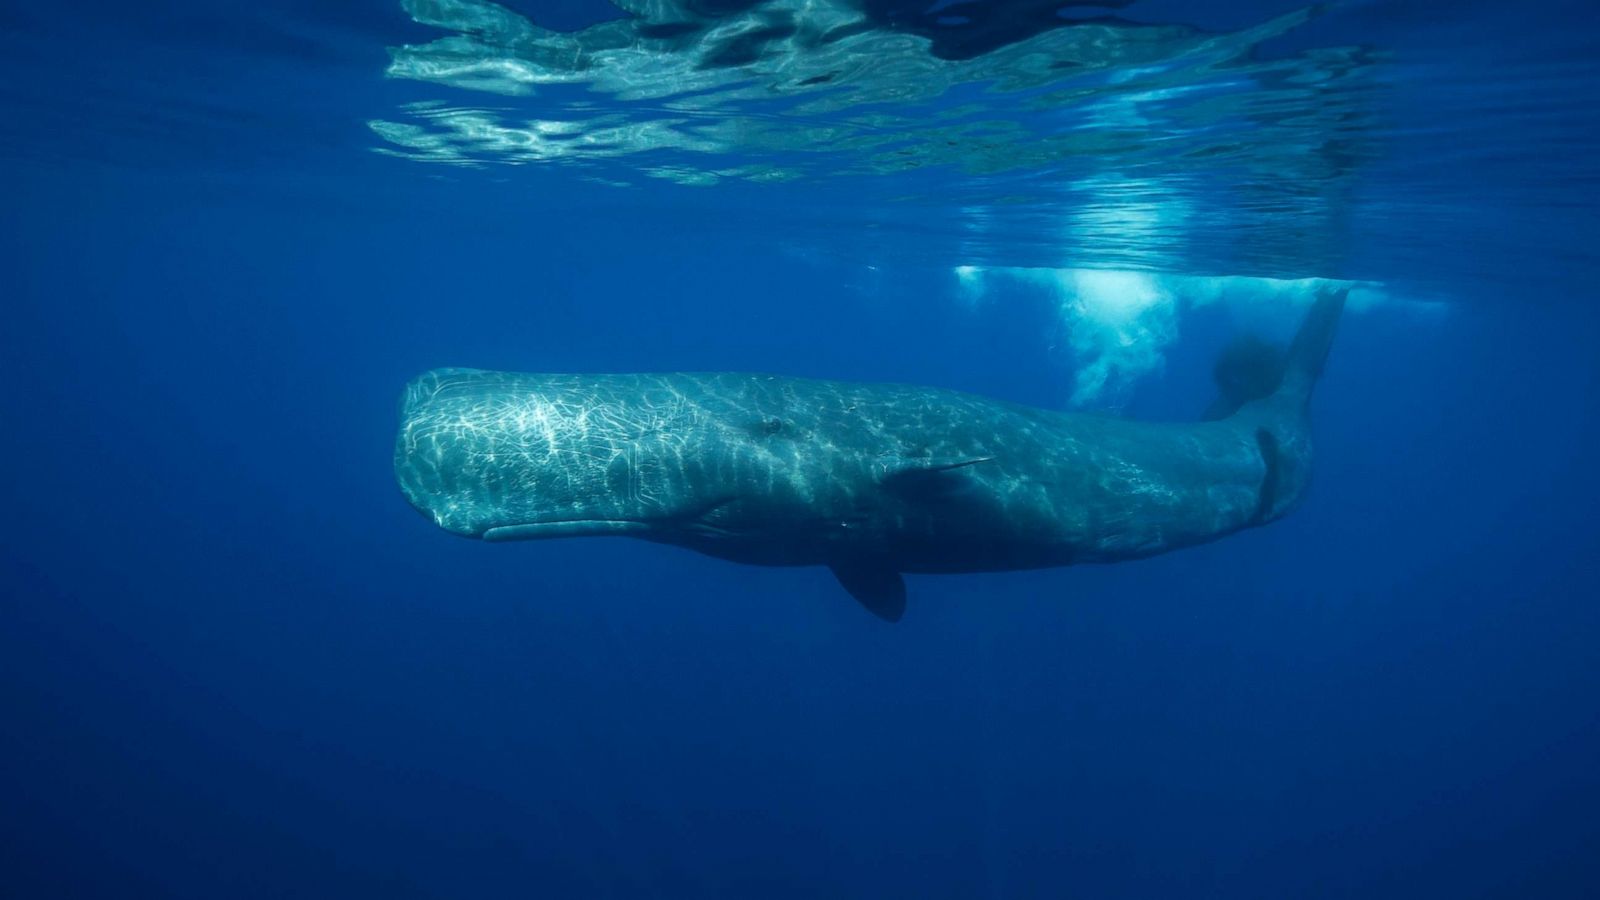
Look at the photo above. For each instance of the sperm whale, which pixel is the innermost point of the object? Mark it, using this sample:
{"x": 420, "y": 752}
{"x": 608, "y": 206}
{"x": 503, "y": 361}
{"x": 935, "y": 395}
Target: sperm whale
{"x": 871, "y": 480}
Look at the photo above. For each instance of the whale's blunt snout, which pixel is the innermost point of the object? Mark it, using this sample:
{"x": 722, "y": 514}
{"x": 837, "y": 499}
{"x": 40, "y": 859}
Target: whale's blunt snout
{"x": 502, "y": 456}
{"x": 472, "y": 450}
{"x": 427, "y": 466}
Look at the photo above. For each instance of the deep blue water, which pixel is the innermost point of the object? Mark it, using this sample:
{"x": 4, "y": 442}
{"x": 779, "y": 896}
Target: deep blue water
{"x": 234, "y": 663}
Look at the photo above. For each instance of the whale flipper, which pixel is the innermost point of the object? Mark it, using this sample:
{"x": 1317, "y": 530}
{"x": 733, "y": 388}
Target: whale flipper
{"x": 878, "y": 588}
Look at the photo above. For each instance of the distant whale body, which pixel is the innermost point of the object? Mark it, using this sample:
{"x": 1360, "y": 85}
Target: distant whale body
{"x": 871, "y": 480}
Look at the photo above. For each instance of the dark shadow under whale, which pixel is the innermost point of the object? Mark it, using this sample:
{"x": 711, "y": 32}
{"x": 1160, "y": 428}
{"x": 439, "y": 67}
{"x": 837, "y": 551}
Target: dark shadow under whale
{"x": 872, "y": 480}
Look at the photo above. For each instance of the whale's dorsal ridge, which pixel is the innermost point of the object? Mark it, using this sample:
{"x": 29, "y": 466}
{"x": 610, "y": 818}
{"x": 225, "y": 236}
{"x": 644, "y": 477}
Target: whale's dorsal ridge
{"x": 879, "y": 588}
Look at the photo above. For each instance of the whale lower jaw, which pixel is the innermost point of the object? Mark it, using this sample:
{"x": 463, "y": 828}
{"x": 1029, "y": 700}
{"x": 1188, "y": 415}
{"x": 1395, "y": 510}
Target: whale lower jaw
{"x": 532, "y": 531}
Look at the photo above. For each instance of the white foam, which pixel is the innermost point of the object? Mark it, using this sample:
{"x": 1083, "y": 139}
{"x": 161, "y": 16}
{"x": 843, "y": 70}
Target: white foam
{"x": 1119, "y": 323}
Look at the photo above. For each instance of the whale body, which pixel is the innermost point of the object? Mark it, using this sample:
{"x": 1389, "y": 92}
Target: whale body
{"x": 872, "y": 480}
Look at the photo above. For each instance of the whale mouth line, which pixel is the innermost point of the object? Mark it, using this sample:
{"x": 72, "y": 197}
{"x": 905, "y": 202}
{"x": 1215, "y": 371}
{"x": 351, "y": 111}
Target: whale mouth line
{"x": 528, "y": 531}
{"x": 692, "y": 519}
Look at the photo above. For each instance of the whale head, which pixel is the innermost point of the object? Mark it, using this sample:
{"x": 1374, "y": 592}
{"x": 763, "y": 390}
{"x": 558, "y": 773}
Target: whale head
{"x": 506, "y": 456}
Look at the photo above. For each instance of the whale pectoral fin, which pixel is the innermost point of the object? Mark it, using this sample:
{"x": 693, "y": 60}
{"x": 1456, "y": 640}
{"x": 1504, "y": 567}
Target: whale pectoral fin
{"x": 927, "y": 478}
{"x": 881, "y": 590}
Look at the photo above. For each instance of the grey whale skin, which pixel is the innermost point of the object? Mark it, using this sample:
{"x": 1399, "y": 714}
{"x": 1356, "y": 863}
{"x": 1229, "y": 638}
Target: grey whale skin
{"x": 872, "y": 480}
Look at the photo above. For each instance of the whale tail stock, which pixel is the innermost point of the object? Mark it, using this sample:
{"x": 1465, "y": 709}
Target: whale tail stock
{"x": 1309, "y": 350}
{"x": 1253, "y": 369}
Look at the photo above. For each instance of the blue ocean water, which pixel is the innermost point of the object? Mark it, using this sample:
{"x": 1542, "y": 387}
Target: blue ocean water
{"x": 234, "y": 663}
